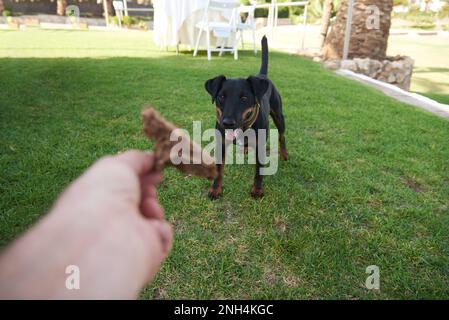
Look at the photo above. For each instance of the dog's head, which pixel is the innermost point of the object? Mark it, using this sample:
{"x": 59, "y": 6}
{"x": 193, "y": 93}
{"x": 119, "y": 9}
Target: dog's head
{"x": 235, "y": 99}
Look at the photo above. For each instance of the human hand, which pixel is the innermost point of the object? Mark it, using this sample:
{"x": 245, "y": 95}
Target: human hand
{"x": 108, "y": 223}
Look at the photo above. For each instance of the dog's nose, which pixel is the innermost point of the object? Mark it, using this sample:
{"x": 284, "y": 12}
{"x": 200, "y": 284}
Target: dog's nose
{"x": 228, "y": 123}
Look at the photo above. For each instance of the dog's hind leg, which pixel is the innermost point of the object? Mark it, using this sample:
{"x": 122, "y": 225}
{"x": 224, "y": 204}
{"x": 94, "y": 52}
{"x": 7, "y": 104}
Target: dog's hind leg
{"x": 279, "y": 122}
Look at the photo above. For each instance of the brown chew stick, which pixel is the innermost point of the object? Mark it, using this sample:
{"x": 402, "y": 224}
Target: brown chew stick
{"x": 198, "y": 162}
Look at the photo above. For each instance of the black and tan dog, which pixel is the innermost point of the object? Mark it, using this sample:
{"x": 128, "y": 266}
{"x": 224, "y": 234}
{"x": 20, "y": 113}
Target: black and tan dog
{"x": 243, "y": 104}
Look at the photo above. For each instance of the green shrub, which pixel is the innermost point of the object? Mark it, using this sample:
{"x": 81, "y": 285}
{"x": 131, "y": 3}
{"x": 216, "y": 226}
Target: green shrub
{"x": 444, "y": 12}
{"x": 424, "y": 26}
{"x": 421, "y": 20}
{"x": 129, "y": 21}
{"x": 261, "y": 13}
{"x": 417, "y": 16}
{"x": 315, "y": 9}
{"x": 113, "y": 20}
{"x": 400, "y": 2}
{"x": 7, "y": 13}
{"x": 143, "y": 25}
{"x": 283, "y": 12}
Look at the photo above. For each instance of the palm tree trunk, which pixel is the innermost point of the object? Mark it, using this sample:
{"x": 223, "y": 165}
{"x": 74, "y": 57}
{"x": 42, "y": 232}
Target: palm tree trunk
{"x": 327, "y": 11}
{"x": 2, "y": 6}
{"x": 61, "y": 6}
{"x": 107, "y": 9}
{"x": 110, "y": 7}
{"x": 369, "y": 34}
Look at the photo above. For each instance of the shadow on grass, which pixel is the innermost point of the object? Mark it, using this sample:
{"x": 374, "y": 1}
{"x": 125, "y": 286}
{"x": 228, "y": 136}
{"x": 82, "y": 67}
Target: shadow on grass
{"x": 427, "y": 85}
{"x": 430, "y": 69}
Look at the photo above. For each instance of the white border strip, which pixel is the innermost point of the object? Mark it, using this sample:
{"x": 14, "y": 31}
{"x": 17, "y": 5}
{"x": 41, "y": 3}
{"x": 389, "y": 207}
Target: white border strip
{"x": 421, "y": 101}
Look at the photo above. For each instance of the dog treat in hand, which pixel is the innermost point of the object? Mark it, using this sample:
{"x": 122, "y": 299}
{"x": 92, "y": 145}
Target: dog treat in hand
{"x": 181, "y": 153}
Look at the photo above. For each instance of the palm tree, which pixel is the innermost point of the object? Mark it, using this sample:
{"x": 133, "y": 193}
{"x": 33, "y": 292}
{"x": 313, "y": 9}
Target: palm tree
{"x": 369, "y": 33}
{"x": 328, "y": 6}
{"x": 61, "y": 6}
{"x": 2, "y": 6}
{"x": 107, "y": 9}
{"x": 110, "y": 7}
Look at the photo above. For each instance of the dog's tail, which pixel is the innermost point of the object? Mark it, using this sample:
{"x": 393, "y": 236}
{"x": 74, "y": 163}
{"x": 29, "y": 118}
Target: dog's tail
{"x": 264, "y": 66}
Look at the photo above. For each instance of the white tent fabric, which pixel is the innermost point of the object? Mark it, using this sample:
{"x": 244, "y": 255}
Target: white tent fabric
{"x": 175, "y": 20}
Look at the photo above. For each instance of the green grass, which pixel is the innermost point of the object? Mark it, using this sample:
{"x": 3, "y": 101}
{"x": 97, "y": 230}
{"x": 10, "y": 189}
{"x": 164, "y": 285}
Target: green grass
{"x": 441, "y": 98}
{"x": 367, "y": 181}
{"x": 431, "y": 70}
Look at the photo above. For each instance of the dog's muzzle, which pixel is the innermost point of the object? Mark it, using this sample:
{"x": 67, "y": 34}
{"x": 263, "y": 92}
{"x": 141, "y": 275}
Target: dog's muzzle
{"x": 249, "y": 117}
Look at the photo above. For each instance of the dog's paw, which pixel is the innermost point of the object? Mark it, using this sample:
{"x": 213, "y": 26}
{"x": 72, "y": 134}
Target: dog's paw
{"x": 256, "y": 193}
{"x": 214, "y": 193}
{"x": 284, "y": 154}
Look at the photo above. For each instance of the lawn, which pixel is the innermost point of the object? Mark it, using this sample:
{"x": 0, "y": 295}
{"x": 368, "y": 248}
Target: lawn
{"x": 367, "y": 181}
{"x": 430, "y": 52}
{"x": 431, "y": 69}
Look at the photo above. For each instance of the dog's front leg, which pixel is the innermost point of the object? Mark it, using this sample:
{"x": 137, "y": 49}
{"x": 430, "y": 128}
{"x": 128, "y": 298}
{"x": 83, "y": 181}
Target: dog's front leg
{"x": 257, "y": 189}
{"x": 216, "y": 190}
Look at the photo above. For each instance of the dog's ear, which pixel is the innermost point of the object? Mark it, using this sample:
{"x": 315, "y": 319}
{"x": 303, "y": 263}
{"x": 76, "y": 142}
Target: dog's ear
{"x": 260, "y": 86}
{"x": 213, "y": 86}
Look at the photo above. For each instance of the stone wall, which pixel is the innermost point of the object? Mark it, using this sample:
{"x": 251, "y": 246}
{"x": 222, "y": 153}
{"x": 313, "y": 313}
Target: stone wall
{"x": 394, "y": 70}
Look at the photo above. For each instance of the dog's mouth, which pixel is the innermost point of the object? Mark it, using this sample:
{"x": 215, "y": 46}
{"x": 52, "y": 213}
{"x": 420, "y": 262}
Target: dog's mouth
{"x": 235, "y": 136}
{"x": 231, "y": 134}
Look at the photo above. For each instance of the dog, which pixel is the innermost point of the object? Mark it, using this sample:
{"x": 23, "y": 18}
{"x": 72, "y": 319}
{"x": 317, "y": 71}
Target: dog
{"x": 243, "y": 104}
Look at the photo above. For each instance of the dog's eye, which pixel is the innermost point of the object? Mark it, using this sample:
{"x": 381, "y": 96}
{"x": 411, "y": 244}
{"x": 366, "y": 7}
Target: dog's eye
{"x": 243, "y": 99}
{"x": 222, "y": 98}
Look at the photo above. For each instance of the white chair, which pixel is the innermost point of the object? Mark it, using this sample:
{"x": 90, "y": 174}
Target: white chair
{"x": 118, "y": 7}
{"x": 226, "y": 31}
{"x": 248, "y": 24}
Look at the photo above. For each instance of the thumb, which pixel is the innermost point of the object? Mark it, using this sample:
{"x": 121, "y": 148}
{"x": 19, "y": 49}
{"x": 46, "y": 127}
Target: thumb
{"x": 159, "y": 240}
{"x": 165, "y": 232}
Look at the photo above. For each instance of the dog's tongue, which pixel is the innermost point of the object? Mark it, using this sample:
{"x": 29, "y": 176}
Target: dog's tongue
{"x": 229, "y": 134}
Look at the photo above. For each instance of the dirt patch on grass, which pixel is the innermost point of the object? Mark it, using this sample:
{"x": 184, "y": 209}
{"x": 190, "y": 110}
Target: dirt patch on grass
{"x": 228, "y": 211}
{"x": 413, "y": 184}
{"x": 280, "y": 224}
{"x": 269, "y": 276}
{"x": 280, "y": 275}
{"x": 290, "y": 281}
{"x": 159, "y": 293}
